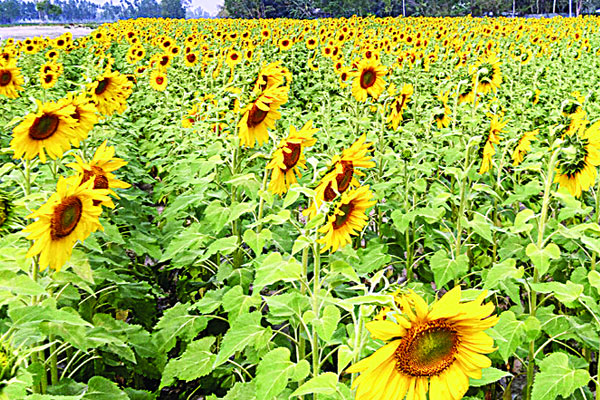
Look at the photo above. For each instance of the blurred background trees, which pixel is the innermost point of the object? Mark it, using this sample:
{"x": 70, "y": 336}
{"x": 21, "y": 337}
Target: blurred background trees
{"x": 12, "y": 11}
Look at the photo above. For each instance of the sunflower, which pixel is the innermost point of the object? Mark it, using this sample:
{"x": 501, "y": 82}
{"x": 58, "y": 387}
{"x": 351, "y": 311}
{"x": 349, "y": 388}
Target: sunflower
{"x": 69, "y": 215}
{"x": 430, "y": 349}
{"x": 288, "y": 158}
{"x": 523, "y": 146}
{"x": 487, "y": 75}
{"x": 7, "y": 218}
{"x": 110, "y": 92}
{"x": 260, "y": 115}
{"x": 347, "y": 219}
{"x": 158, "y": 80}
{"x": 368, "y": 80}
{"x": 285, "y": 44}
{"x": 233, "y": 58}
{"x": 191, "y": 59}
{"x": 100, "y": 171}
{"x": 341, "y": 174}
{"x": 399, "y": 105}
{"x": 271, "y": 75}
{"x": 441, "y": 114}
{"x": 496, "y": 126}
{"x": 579, "y": 155}
{"x": 11, "y": 80}
{"x": 49, "y": 79}
{"x": 49, "y": 130}
{"x": 85, "y": 115}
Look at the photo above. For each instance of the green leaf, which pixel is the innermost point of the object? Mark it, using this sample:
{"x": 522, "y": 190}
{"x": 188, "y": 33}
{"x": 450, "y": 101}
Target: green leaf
{"x": 275, "y": 269}
{"x": 327, "y": 324}
{"x": 256, "y": 241}
{"x": 565, "y": 293}
{"x": 325, "y": 383}
{"x": 489, "y": 375}
{"x": 594, "y": 279}
{"x": 273, "y": 373}
{"x": 446, "y": 269}
{"x": 499, "y": 272}
{"x": 481, "y": 226}
{"x": 241, "y": 391}
{"x": 520, "y": 225}
{"x": 557, "y": 378}
{"x": 100, "y": 388}
{"x": 541, "y": 257}
{"x": 243, "y": 332}
{"x": 22, "y": 284}
{"x": 195, "y": 362}
{"x": 508, "y": 334}
{"x": 236, "y": 303}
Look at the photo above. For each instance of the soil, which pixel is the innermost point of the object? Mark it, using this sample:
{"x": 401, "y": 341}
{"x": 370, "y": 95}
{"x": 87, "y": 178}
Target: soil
{"x": 51, "y": 31}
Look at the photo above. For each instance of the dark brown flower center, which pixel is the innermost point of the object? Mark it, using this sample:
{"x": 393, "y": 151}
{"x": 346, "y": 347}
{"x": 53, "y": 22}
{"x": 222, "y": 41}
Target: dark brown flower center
{"x": 48, "y": 78}
{"x": 427, "y": 349}
{"x": 43, "y": 127}
{"x": 343, "y": 180}
{"x": 367, "y": 78}
{"x": 102, "y": 86}
{"x": 3, "y": 212}
{"x": 5, "y": 78}
{"x": 65, "y": 218}
{"x": 291, "y": 159}
{"x": 256, "y": 116}
{"x": 191, "y": 57}
{"x": 340, "y": 220}
{"x": 160, "y": 80}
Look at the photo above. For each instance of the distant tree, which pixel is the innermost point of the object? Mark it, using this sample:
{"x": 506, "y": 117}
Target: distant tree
{"x": 172, "y": 9}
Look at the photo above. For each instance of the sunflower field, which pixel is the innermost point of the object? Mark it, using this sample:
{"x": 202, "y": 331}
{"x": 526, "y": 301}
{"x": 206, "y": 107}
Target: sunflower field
{"x": 331, "y": 209}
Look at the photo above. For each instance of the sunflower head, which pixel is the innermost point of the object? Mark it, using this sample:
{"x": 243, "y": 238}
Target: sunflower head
{"x": 368, "y": 79}
{"x": 68, "y": 216}
{"x": 11, "y": 80}
{"x": 347, "y": 219}
{"x": 430, "y": 349}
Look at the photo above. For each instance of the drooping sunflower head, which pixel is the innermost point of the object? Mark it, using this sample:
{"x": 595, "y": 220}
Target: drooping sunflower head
{"x": 523, "y": 146}
{"x": 431, "y": 349}
{"x": 69, "y": 215}
{"x": 260, "y": 115}
{"x": 7, "y": 213}
{"x": 49, "y": 130}
{"x": 368, "y": 79}
{"x": 11, "y": 80}
{"x": 273, "y": 74}
{"x": 288, "y": 158}
{"x": 577, "y": 160}
{"x": 347, "y": 219}
{"x": 487, "y": 76}
{"x": 399, "y": 105}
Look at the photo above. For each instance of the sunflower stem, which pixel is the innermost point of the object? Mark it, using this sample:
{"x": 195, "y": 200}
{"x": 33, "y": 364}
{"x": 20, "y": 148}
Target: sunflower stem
{"x": 536, "y": 277}
{"x": 409, "y": 252}
{"x": 594, "y": 255}
{"x": 461, "y": 208}
{"x": 475, "y": 95}
{"x": 301, "y": 340}
{"x": 315, "y": 301}
{"x": 261, "y": 204}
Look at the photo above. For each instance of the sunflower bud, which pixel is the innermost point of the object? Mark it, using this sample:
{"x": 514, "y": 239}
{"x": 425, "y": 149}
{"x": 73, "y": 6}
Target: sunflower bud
{"x": 406, "y": 155}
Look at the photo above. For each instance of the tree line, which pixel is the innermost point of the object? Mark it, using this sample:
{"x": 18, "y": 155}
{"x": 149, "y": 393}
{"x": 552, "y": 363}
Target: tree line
{"x": 12, "y": 11}
{"x": 383, "y": 8}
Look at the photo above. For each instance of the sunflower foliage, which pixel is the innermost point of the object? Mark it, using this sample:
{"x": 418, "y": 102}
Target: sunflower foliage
{"x": 331, "y": 209}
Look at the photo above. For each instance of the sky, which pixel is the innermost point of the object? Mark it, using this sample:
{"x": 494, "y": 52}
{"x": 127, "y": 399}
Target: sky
{"x": 212, "y": 6}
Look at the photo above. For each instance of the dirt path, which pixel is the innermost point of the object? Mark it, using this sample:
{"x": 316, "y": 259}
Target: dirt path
{"x": 52, "y": 31}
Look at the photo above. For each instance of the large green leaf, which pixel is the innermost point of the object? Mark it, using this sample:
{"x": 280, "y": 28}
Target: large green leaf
{"x": 243, "y": 332}
{"x": 195, "y": 362}
{"x": 557, "y": 378}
